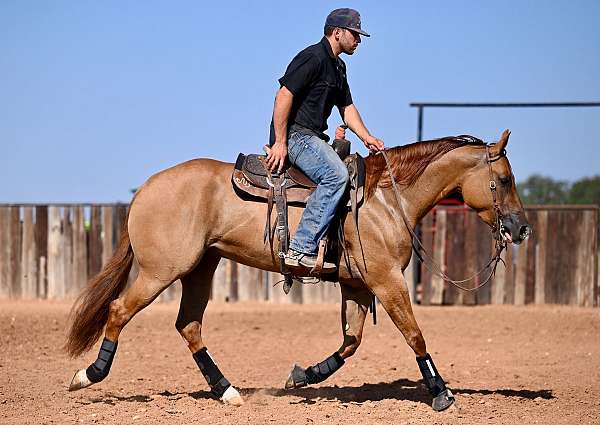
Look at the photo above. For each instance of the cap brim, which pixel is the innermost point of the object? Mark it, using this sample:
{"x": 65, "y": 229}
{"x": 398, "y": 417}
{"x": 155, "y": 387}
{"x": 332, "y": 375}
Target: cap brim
{"x": 361, "y": 32}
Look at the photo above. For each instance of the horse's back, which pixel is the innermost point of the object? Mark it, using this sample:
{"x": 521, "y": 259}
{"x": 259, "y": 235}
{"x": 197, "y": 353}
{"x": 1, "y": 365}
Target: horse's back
{"x": 177, "y": 209}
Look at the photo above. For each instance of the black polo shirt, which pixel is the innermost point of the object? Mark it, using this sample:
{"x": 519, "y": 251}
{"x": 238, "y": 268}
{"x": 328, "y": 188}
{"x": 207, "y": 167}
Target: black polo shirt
{"x": 317, "y": 79}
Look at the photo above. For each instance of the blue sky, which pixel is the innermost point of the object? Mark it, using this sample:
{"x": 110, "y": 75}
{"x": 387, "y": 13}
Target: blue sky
{"x": 98, "y": 96}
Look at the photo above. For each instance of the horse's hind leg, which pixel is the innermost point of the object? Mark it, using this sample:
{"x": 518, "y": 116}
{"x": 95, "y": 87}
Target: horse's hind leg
{"x": 194, "y": 298}
{"x": 355, "y": 303}
{"x": 141, "y": 293}
{"x": 393, "y": 295}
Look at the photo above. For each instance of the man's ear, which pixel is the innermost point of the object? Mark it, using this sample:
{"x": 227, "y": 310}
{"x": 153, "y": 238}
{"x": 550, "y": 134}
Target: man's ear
{"x": 337, "y": 33}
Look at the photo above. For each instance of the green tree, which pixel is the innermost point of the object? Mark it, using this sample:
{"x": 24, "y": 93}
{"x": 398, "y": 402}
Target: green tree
{"x": 585, "y": 191}
{"x": 538, "y": 189}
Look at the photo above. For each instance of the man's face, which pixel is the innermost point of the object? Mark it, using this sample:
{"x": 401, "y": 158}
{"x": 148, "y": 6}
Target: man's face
{"x": 348, "y": 40}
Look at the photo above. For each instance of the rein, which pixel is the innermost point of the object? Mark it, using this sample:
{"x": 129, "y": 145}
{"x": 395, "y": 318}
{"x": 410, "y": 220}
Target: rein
{"x": 497, "y": 230}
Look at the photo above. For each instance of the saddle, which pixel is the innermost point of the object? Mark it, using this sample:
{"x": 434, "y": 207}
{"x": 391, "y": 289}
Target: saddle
{"x": 253, "y": 182}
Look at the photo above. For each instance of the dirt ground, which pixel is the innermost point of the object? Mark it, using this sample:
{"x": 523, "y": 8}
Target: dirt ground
{"x": 505, "y": 364}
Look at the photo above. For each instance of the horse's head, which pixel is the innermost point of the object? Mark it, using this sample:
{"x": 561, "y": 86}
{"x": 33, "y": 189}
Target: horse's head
{"x": 493, "y": 177}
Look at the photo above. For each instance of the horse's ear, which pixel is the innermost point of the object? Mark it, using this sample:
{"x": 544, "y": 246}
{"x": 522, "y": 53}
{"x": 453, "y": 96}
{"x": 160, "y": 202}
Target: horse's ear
{"x": 499, "y": 146}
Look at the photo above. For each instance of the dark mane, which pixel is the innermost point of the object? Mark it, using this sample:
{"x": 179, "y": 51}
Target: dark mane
{"x": 408, "y": 162}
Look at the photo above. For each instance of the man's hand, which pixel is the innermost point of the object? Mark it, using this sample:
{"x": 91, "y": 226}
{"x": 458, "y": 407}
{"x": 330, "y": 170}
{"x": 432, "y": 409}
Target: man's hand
{"x": 276, "y": 157}
{"x": 340, "y": 132}
{"x": 374, "y": 144}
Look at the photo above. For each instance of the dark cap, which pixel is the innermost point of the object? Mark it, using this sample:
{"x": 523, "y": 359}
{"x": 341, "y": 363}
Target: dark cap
{"x": 345, "y": 18}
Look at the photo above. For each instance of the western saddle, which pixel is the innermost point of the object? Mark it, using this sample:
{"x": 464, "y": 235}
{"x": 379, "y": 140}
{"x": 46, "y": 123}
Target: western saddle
{"x": 253, "y": 182}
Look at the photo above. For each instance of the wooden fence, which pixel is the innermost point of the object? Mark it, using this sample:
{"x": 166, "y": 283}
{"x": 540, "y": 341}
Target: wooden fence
{"x": 50, "y": 252}
{"x": 557, "y": 264}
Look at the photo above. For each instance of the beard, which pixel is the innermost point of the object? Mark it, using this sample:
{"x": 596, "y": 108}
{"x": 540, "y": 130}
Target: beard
{"x": 349, "y": 49}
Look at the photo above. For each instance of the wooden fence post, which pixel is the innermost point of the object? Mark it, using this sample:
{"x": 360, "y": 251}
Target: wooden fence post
{"x": 250, "y": 284}
{"x": 4, "y": 252}
{"x": 484, "y": 250}
{"x": 29, "y": 264}
{"x": 107, "y": 234}
{"x": 80, "y": 251}
{"x": 439, "y": 256}
{"x": 221, "y": 288}
{"x": 540, "y": 235}
{"x": 15, "y": 251}
{"x": 120, "y": 221}
{"x": 41, "y": 244}
{"x": 56, "y": 288}
{"x": 331, "y": 292}
{"x": 521, "y": 273}
{"x": 427, "y": 231}
{"x": 499, "y": 280}
{"x": 312, "y": 294}
{"x": 471, "y": 254}
{"x": 95, "y": 242}
{"x": 584, "y": 273}
{"x": 67, "y": 255}
{"x": 455, "y": 254}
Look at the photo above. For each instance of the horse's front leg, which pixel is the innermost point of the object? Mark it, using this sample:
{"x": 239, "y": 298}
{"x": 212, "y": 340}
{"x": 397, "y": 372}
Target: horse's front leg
{"x": 392, "y": 292}
{"x": 355, "y": 303}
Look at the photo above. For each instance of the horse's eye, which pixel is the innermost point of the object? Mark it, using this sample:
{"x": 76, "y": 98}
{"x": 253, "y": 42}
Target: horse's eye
{"x": 506, "y": 181}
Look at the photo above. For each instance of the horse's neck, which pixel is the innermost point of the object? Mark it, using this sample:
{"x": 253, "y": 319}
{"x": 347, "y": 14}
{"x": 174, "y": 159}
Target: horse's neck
{"x": 439, "y": 179}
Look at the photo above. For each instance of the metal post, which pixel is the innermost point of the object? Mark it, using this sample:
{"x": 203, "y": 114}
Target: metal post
{"x": 416, "y": 264}
{"x": 420, "y": 125}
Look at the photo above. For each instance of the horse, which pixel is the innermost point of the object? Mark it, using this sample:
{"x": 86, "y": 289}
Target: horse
{"x": 184, "y": 219}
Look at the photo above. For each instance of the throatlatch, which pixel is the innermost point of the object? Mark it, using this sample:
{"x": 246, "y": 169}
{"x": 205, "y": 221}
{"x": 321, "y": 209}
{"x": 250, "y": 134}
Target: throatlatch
{"x": 98, "y": 370}
{"x": 218, "y": 383}
{"x": 314, "y": 374}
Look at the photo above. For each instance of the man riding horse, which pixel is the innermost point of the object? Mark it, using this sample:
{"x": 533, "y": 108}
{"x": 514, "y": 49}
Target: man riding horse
{"x": 313, "y": 83}
{"x": 184, "y": 220}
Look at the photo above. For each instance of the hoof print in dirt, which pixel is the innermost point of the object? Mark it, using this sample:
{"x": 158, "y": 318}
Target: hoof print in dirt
{"x": 443, "y": 400}
{"x": 296, "y": 379}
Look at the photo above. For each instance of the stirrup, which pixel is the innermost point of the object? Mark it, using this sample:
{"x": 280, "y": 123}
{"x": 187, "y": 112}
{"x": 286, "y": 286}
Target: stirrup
{"x": 306, "y": 280}
{"x": 288, "y": 281}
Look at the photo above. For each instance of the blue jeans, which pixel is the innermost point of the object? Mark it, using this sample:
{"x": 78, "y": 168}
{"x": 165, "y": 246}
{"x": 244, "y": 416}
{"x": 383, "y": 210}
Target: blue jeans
{"x": 322, "y": 165}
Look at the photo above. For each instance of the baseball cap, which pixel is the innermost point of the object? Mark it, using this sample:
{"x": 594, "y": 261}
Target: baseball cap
{"x": 345, "y": 18}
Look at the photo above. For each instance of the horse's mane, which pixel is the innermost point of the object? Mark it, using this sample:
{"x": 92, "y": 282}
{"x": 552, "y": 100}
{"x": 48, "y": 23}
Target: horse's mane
{"x": 408, "y": 162}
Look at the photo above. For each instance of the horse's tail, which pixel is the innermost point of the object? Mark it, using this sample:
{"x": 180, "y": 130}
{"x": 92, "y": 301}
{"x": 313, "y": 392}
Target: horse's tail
{"x": 90, "y": 311}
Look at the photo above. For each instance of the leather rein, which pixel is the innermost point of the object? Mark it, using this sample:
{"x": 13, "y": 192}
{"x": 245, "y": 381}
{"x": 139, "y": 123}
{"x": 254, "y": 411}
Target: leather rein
{"x": 497, "y": 231}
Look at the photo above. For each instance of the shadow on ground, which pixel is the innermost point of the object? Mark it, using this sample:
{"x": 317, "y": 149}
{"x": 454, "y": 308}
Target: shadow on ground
{"x": 402, "y": 389}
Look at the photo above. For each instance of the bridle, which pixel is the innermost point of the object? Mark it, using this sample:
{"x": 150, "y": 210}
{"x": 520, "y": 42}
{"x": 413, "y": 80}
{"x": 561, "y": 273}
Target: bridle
{"x": 497, "y": 231}
{"x": 498, "y": 228}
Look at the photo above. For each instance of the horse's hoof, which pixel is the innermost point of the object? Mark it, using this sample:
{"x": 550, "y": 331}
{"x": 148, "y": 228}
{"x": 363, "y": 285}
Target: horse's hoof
{"x": 296, "y": 379}
{"x": 79, "y": 381}
{"x": 232, "y": 397}
{"x": 443, "y": 400}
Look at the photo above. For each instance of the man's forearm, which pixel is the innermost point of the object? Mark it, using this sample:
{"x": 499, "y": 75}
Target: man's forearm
{"x": 281, "y": 113}
{"x": 354, "y": 122}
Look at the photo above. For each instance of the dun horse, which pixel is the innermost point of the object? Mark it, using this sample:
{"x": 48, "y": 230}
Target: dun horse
{"x": 183, "y": 220}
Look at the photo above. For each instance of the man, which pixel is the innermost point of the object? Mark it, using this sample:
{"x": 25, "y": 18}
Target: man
{"x": 313, "y": 83}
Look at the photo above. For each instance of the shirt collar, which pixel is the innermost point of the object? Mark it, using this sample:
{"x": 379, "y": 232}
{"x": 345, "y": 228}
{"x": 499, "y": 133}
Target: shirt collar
{"x": 327, "y": 47}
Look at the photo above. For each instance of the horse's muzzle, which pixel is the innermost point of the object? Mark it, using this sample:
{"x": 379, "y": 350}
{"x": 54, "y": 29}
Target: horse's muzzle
{"x": 516, "y": 229}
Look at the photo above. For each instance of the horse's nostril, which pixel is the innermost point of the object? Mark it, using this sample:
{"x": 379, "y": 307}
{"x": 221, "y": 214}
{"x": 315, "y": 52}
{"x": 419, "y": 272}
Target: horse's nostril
{"x": 524, "y": 232}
